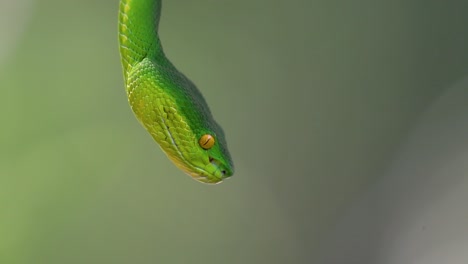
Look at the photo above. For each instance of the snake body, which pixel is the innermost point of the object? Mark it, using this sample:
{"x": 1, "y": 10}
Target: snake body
{"x": 166, "y": 102}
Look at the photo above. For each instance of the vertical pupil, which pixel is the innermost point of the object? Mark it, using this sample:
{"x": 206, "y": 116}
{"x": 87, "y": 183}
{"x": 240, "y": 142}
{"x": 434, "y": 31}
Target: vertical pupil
{"x": 206, "y": 141}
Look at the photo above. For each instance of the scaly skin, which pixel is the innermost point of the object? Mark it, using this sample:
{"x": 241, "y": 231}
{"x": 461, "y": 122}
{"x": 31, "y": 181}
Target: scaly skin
{"x": 166, "y": 102}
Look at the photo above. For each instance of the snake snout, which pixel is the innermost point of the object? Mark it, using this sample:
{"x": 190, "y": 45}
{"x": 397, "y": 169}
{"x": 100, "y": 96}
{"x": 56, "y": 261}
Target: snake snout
{"x": 219, "y": 167}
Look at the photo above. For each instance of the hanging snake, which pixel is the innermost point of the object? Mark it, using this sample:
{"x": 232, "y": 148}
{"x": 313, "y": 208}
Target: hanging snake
{"x": 165, "y": 101}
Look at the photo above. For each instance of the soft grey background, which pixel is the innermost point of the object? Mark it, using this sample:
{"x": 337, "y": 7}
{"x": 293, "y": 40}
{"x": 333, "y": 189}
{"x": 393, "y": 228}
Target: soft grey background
{"x": 317, "y": 99}
{"x": 417, "y": 212}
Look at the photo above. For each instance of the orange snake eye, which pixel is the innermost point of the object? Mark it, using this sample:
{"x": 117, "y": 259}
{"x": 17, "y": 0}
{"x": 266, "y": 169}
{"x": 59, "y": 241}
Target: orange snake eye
{"x": 206, "y": 141}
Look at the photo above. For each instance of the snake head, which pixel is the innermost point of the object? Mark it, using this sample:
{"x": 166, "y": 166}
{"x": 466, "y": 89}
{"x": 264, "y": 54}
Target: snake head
{"x": 209, "y": 162}
{"x": 176, "y": 115}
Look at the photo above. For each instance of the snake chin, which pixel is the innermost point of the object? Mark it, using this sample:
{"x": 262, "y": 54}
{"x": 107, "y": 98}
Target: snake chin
{"x": 213, "y": 172}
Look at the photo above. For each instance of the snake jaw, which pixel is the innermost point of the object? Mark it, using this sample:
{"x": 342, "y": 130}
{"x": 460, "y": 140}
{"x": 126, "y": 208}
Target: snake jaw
{"x": 212, "y": 172}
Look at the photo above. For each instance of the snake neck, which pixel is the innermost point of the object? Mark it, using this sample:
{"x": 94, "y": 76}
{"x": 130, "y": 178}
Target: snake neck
{"x": 138, "y": 32}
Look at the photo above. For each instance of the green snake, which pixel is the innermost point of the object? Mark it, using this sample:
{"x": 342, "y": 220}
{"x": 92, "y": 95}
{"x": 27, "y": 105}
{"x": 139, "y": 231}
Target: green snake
{"x": 165, "y": 101}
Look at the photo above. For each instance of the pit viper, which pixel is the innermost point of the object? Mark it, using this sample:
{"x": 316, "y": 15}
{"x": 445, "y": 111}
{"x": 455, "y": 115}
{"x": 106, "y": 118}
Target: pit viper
{"x": 167, "y": 104}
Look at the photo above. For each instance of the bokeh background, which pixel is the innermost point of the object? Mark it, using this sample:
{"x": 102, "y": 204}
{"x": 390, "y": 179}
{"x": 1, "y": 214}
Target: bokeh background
{"x": 326, "y": 105}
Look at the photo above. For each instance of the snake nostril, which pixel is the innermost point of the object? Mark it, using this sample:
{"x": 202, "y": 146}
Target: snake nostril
{"x": 223, "y": 172}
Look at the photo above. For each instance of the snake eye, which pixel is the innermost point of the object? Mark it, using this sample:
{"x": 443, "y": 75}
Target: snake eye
{"x": 206, "y": 141}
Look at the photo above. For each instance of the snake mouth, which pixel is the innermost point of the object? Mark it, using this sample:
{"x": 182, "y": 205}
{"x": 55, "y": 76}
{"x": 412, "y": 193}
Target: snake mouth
{"x": 214, "y": 172}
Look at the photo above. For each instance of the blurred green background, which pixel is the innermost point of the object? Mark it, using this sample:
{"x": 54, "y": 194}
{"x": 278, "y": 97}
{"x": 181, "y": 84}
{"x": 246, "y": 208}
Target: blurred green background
{"x": 314, "y": 97}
